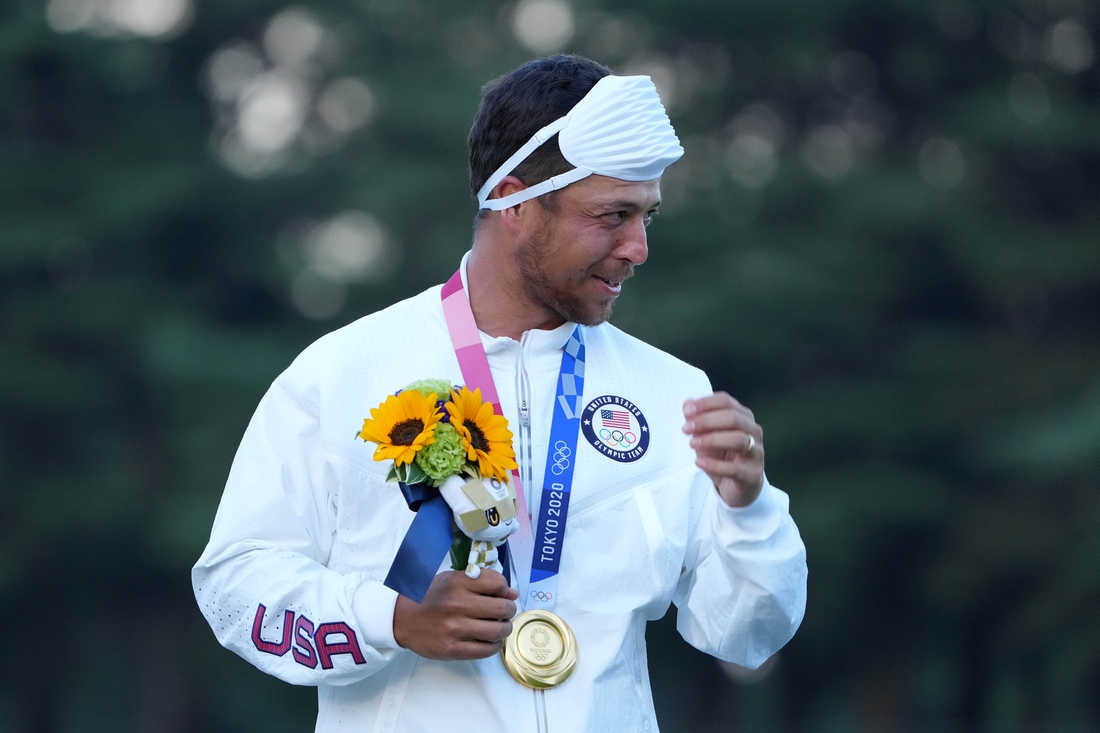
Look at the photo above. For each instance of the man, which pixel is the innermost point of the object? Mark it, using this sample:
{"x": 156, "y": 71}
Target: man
{"x": 668, "y": 501}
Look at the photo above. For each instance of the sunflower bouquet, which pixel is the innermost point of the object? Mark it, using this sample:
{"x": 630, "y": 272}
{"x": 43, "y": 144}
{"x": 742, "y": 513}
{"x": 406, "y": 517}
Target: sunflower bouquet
{"x": 458, "y": 445}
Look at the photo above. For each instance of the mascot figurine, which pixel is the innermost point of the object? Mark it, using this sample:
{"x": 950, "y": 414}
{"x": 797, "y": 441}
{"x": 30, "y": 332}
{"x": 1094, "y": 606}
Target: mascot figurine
{"x": 485, "y": 510}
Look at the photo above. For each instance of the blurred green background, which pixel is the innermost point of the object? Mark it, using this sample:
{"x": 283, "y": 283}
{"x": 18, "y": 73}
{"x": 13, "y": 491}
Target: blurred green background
{"x": 884, "y": 238}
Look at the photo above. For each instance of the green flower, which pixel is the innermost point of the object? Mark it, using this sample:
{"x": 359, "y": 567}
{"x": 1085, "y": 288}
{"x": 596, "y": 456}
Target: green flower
{"x": 443, "y": 458}
{"x": 441, "y": 388}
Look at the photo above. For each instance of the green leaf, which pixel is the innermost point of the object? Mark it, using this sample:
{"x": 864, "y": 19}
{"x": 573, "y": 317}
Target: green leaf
{"x": 460, "y": 550}
{"x": 415, "y": 474}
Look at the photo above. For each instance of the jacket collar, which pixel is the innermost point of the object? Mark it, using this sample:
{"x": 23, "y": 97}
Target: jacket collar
{"x": 542, "y": 347}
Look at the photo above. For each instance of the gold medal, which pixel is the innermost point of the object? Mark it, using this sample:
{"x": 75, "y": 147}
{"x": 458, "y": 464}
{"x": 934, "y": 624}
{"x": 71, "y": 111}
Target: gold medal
{"x": 541, "y": 651}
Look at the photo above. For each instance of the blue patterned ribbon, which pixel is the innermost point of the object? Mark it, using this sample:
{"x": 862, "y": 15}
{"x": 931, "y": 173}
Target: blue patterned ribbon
{"x": 426, "y": 543}
{"x": 557, "y": 483}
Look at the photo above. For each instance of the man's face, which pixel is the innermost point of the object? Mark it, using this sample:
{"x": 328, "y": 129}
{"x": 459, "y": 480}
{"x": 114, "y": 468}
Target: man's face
{"x": 578, "y": 253}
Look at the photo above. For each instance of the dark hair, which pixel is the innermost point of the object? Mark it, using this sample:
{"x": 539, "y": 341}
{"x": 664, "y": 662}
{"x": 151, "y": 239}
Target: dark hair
{"x": 517, "y": 105}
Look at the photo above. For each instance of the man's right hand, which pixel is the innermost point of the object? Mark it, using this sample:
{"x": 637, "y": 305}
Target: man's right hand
{"x": 460, "y": 617}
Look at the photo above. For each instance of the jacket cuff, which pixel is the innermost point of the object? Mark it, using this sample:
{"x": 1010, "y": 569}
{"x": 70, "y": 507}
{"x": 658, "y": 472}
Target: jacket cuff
{"x": 756, "y": 522}
{"x": 374, "y": 604}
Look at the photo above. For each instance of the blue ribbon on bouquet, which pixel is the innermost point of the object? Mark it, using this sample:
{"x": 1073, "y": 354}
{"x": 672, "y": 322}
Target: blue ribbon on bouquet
{"x": 426, "y": 543}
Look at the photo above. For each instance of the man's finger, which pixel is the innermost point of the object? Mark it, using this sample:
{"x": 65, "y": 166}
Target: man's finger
{"x": 489, "y": 583}
{"x": 489, "y": 607}
{"x": 722, "y": 467}
{"x": 719, "y": 420}
{"x": 716, "y": 401}
{"x": 460, "y": 650}
{"x": 490, "y": 632}
{"x": 737, "y": 440}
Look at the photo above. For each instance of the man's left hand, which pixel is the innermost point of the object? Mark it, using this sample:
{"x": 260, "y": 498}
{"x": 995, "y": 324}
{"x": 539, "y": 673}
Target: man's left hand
{"x": 729, "y": 446}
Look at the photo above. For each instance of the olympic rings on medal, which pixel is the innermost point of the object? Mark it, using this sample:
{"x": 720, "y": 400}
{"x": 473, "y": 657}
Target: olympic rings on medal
{"x": 560, "y": 458}
{"x": 618, "y": 437}
{"x": 542, "y": 596}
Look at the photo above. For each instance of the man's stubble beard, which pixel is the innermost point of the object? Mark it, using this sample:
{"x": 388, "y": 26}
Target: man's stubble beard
{"x": 530, "y": 257}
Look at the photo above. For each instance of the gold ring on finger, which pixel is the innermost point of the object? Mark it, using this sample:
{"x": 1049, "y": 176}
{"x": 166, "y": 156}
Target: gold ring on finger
{"x": 750, "y": 446}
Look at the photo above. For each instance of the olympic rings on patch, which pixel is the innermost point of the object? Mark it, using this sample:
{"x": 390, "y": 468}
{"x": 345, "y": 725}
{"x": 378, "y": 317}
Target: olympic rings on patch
{"x": 542, "y": 596}
{"x": 618, "y": 438}
{"x": 560, "y": 458}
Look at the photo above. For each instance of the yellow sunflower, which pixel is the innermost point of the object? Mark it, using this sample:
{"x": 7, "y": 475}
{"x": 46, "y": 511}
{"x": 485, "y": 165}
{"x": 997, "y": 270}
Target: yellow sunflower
{"x": 485, "y": 435}
{"x": 402, "y": 426}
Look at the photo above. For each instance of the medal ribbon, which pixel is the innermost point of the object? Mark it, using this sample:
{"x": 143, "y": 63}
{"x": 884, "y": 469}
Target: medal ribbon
{"x": 544, "y": 547}
{"x": 557, "y": 482}
{"x": 470, "y": 353}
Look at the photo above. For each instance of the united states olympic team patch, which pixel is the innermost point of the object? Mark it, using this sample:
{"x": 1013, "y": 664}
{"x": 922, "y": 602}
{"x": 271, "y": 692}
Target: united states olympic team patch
{"x": 615, "y": 427}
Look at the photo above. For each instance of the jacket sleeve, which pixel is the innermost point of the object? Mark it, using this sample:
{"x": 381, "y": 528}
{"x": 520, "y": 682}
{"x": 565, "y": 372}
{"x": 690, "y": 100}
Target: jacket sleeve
{"x": 262, "y": 583}
{"x": 742, "y": 592}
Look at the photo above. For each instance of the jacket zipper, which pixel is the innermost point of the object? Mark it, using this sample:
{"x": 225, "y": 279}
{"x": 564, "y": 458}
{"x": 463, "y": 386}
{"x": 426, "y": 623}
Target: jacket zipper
{"x": 540, "y": 710}
{"x": 523, "y": 391}
{"x": 526, "y": 474}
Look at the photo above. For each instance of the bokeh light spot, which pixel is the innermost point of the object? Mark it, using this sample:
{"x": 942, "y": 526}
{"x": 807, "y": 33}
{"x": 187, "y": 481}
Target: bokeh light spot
{"x": 150, "y": 18}
{"x": 755, "y": 136}
{"x": 113, "y": 18}
{"x": 69, "y": 16}
{"x": 830, "y": 151}
{"x": 292, "y": 37}
{"x": 271, "y": 112}
{"x": 346, "y": 104}
{"x": 316, "y": 296}
{"x": 544, "y": 26}
{"x": 231, "y": 69}
{"x": 349, "y": 247}
{"x": 1068, "y": 47}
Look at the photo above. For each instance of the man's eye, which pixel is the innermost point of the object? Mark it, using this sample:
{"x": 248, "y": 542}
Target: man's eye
{"x": 616, "y": 216}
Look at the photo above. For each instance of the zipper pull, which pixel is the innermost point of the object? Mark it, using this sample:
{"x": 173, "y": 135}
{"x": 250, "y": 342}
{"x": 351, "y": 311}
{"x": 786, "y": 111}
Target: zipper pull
{"x": 524, "y": 417}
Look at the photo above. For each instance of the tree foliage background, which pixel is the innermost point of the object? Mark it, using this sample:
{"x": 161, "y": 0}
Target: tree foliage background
{"x": 884, "y": 238}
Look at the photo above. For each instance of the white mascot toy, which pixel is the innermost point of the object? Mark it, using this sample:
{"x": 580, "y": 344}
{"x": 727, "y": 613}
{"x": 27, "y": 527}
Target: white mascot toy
{"x": 485, "y": 510}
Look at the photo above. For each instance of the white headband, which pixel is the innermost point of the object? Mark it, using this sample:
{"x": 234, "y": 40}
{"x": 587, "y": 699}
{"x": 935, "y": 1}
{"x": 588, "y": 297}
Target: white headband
{"x": 619, "y": 129}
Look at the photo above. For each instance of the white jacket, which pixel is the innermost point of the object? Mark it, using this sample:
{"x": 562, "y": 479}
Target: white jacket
{"x": 308, "y": 527}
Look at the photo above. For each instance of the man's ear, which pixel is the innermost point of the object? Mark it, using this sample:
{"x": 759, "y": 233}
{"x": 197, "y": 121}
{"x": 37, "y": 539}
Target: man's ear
{"x": 519, "y": 217}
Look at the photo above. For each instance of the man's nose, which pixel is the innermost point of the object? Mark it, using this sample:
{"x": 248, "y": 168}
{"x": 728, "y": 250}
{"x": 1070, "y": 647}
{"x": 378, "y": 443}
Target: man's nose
{"x": 632, "y": 246}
